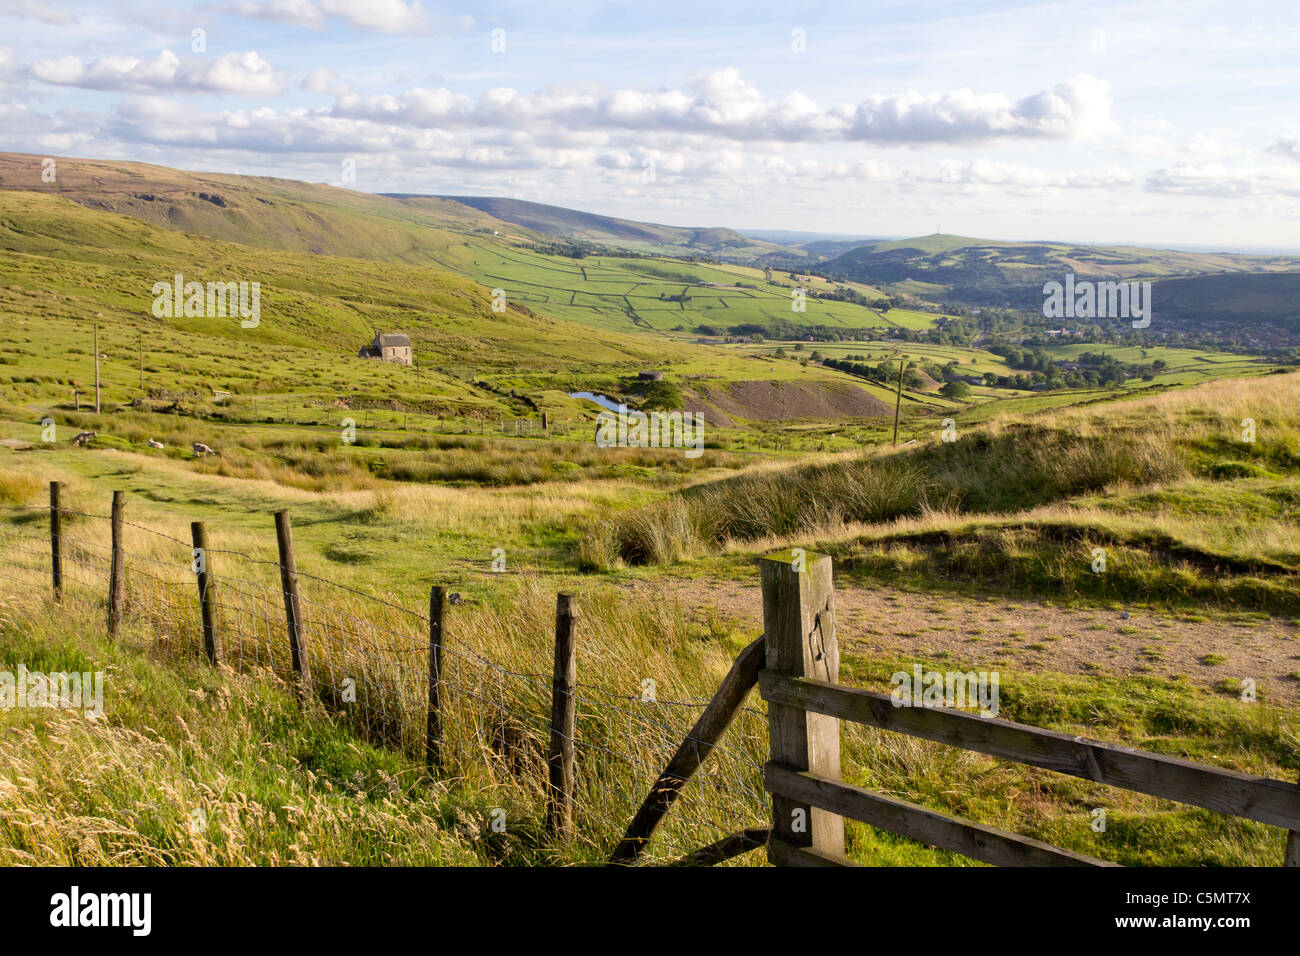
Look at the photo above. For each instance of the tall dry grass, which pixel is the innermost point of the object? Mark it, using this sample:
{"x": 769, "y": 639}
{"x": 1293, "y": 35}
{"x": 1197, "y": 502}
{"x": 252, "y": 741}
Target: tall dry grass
{"x": 1004, "y": 467}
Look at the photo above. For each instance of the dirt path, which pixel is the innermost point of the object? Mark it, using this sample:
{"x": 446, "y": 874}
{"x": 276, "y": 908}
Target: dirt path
{"x": 1035, "y": 637}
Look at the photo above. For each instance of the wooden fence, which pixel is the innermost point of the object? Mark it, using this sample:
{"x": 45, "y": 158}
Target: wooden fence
{"x": 560, "y": 783}
{"x": 796, "y": 667}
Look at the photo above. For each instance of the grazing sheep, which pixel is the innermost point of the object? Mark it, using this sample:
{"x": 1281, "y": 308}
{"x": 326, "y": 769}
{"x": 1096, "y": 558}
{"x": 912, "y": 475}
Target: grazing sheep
{"x": 201, "y": 449}
{"x": 155, "y": 443}
{"x": 81, "y": 439}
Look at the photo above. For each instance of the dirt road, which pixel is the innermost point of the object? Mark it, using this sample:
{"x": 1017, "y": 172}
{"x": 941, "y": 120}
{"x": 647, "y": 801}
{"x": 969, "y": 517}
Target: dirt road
{"x": 1036, "y": 637}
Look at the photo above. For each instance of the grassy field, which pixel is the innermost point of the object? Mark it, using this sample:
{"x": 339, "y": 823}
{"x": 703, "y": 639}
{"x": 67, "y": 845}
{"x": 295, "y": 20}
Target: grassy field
{"x": 1140, "y": 490}
{"x": 318, "y": 794}
{"x": 1139, "y": 478}
{"x": 631, "y": 294}
{"x": 1195, "y": 514}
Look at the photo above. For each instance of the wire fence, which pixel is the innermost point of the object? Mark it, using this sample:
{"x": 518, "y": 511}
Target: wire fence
{"x": 368, "y": 661}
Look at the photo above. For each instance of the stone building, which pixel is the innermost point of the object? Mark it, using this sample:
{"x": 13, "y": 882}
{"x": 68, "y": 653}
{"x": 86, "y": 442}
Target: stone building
{"x": 390, "y": 347}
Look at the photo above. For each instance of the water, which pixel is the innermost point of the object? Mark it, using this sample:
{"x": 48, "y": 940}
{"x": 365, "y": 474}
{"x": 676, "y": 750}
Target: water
{"x": 604, "y": 401}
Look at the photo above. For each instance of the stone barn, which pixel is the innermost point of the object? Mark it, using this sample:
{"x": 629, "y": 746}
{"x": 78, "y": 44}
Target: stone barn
{"x": 389, "y": 347}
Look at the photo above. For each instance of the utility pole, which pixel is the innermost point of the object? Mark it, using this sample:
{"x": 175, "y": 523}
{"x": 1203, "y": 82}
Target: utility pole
{"x": 898, "y": 402}
{"x": 141, "y": 347}
{"x": 96, "y": 368}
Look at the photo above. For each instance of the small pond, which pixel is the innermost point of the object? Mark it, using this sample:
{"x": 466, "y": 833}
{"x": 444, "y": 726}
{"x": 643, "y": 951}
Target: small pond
{"x": 604, "y": 401}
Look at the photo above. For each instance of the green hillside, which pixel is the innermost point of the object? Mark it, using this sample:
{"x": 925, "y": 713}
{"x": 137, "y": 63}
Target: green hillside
{"x": 259, "y": 211}
{"x": 67, "y": 268}
{"x": 431, "y": 268}
{"x": 64, "y": 265}
{"x": 987, "y": 272}
{"x": 662, "y": 295}
{"x": 640, "y": 236}
{"x": 612, "y": 292}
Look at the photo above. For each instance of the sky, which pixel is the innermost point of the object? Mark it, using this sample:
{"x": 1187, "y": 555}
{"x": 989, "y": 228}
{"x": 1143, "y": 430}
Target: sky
{"x": 1171, "y": 124}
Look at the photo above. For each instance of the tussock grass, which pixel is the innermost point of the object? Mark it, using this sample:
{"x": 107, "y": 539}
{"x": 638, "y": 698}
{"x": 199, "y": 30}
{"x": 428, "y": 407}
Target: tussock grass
{"x": 986, "y": 472}
{"x": 195, "y": 767}
{"x": 499, "y": 650}
{"x": 198, "y": 766}
{"x": 1022, "y": 506}
{"x": 18, "y": 488}
{"x": 316, "y": 459}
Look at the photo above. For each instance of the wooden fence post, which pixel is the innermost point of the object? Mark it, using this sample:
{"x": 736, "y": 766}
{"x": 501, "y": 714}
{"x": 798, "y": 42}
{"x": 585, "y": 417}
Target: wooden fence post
{"x": 563, "y": 719}
{"x": 207, "y": 592}
{"x": 1291, "y": 855}
{"x": 56, "y": 542}
{"x": 292, "y": 602}
{"x": 799, "y": 635}
{"x": 117, "y": 571}
{"x": 433, "y": 719}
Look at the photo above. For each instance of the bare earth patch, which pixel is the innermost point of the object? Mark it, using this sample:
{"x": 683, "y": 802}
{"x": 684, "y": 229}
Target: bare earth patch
{"x": 783, "y": 401}
{"x": 1035, "y": 637}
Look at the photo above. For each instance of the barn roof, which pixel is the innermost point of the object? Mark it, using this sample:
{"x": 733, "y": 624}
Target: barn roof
{"x": 393, "y": 340}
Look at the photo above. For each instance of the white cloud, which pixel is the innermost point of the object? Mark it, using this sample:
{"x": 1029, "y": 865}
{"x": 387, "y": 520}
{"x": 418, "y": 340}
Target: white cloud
{"x": 983, "y": 172}
{"x": 321, "y": 80}
{"x": 1079, "y": 108}
{"x": 614, "y": 158}
{"x": 8, "y": 65}
{"x": 243, "y": 73}
{"x": 36, "y": 11}
{"x": 379, "y": 16}
{"x": 1224, "y": 181}
{"x": 1288, "y": 146}
{"x": 724, "y": 105}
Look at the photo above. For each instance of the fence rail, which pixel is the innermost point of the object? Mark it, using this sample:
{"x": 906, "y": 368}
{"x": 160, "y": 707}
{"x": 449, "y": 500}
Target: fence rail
{"x": 1227, "y": 791}
{"x": 810, "y": 801}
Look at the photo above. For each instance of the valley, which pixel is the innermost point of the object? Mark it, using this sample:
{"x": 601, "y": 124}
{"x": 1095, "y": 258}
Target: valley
{"x": 965, "y": 533}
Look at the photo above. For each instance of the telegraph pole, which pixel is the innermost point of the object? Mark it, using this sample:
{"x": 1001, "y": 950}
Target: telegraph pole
{"x": 898, "y": 402}
{"x": 96, "y": 368}
{"x": 142, "y": 363}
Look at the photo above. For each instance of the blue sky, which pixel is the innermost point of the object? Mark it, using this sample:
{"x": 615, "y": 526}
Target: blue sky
{"x": 1160, "y": 123}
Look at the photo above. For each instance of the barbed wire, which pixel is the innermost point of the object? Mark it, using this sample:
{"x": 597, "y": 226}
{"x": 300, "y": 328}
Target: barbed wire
{"x": 368, "y": 666}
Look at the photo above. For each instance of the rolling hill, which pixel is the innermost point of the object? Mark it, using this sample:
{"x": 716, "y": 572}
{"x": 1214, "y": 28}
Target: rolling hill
{"x": 1216, "y": 304}
{"x": 658, "y": 285}
{"x": 991, "y": 272}
{"x": 260, "y": 211}
{"x": 64, "y": 264}
{"x": 65, "y": 267}
{"x": 607, "y": 230}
